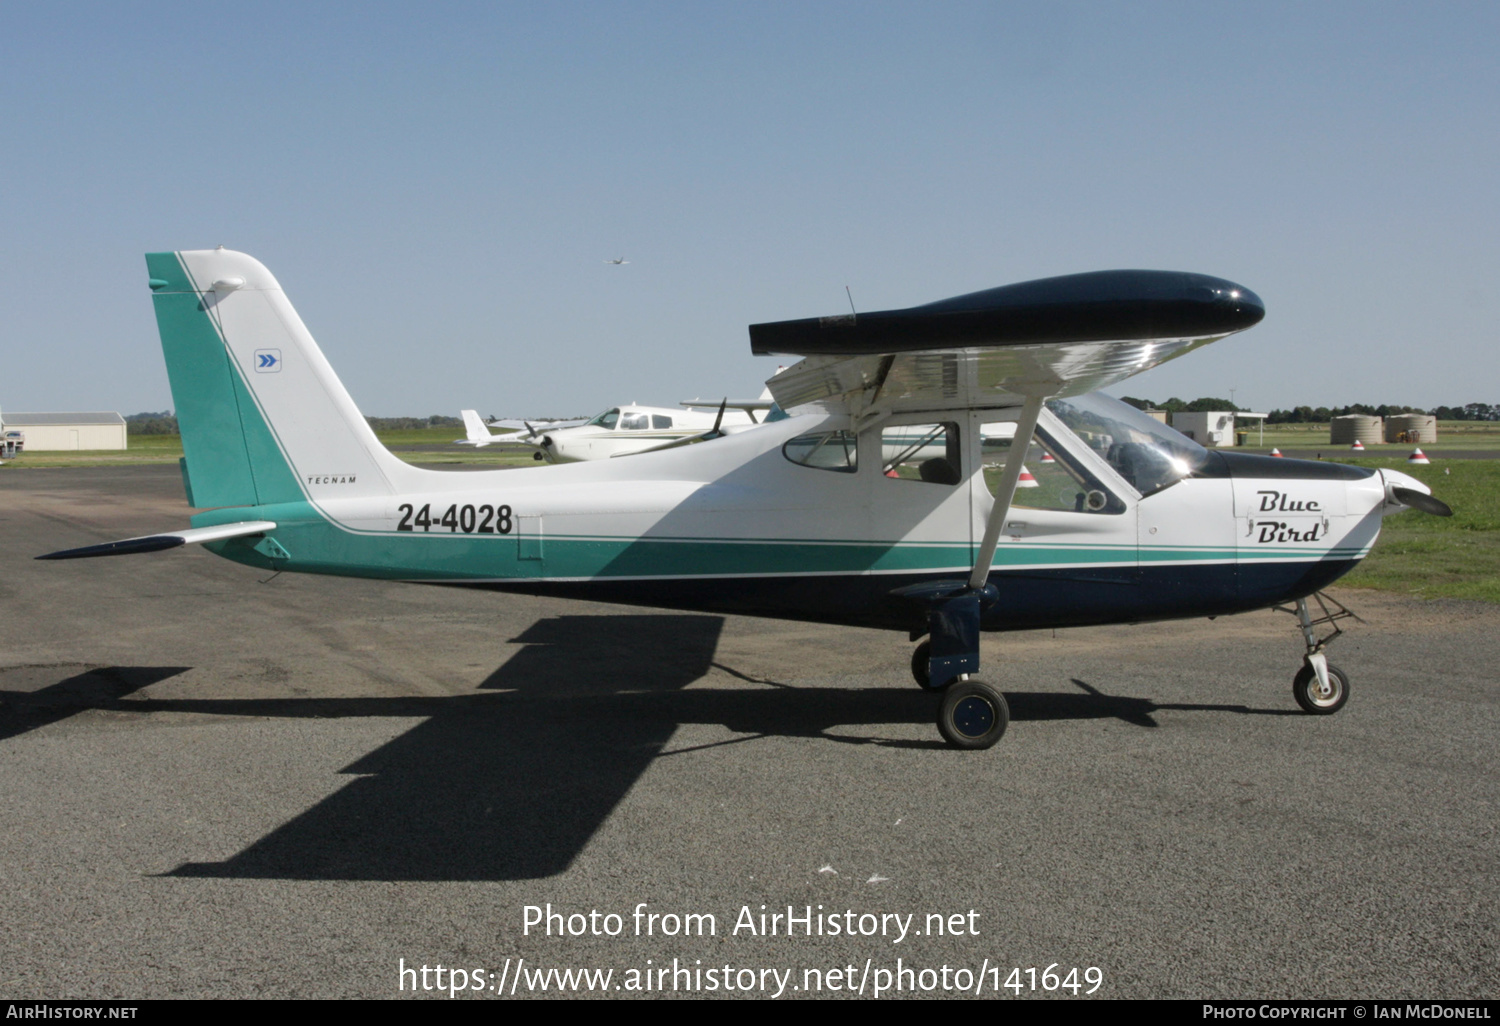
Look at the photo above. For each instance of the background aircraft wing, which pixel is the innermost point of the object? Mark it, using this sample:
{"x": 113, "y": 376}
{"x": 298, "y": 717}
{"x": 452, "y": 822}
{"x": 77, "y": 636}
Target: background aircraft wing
{"x": 732, "y": 404}
{"x": 536, "y": 423}
{"x": 1055, "y": 336}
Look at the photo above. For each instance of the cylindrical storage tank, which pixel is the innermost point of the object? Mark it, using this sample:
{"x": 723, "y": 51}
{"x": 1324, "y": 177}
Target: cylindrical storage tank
{"x": 1419, "y": 428}
{"x": 1356, "y": 427}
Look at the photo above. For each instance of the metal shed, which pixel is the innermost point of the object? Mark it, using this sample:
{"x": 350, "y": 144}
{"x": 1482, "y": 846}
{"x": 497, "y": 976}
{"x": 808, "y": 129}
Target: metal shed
{"x": 52, "y": 432}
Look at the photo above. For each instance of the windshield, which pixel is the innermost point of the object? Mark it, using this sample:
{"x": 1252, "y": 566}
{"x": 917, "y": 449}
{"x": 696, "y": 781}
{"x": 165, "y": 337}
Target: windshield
{"x": 1143, "y": 450}
{"x": 607, "y": 419}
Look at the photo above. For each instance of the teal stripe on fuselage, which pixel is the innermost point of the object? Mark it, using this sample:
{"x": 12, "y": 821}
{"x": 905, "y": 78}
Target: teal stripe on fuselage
{"x": 316, "y": 545}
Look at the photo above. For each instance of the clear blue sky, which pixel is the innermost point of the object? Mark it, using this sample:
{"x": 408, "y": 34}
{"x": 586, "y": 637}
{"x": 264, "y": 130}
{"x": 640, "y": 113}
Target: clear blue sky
{"x": 437, "y": 186}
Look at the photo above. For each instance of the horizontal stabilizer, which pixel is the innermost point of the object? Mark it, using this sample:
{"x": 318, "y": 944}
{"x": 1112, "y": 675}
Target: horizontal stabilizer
{"x": 169, "y": 540}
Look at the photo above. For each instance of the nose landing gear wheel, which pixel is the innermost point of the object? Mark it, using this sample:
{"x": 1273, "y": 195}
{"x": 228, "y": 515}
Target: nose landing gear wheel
{"x": 919, "y": 662}
{"x": 1311, "y": 697}
{"x": 973, "y": 715}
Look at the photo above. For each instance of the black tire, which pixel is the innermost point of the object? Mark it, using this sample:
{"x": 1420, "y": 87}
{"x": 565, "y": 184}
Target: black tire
{"x": 920, "y": 657}
{"x": 1305, "y": 690}
{"x": 973, "y": 715}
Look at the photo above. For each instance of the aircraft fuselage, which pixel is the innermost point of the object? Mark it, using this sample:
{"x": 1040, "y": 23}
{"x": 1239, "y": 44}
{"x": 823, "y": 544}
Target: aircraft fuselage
{"x": 737, "y": 525}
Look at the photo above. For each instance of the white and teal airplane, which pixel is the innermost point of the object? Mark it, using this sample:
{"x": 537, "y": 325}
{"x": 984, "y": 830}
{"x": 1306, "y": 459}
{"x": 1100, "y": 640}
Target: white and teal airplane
{"x": 872, "y": 505}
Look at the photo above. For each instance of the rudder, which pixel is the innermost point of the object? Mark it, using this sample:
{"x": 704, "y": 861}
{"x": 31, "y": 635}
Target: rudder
{"x": 263, "y": 417}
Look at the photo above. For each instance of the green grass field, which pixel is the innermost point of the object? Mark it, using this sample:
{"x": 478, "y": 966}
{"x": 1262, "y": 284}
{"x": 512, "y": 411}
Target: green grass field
{"x": 1440, "y": 557}
{"x": 1453, "y": 436}
{"x": 1417, "y": 554}
{"x": 143, "y": 449}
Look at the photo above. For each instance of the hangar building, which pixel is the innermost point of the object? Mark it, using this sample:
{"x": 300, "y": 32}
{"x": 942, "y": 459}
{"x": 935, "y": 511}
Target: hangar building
{"x": 66, "y": 431}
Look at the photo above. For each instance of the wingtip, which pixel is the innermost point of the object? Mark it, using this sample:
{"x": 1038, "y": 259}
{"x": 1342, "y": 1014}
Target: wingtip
{"x": 155, "y": 543}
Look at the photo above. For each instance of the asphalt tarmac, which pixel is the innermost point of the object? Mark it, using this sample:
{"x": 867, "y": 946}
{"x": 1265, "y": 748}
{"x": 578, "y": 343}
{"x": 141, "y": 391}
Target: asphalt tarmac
{"x": 217, "y": 786}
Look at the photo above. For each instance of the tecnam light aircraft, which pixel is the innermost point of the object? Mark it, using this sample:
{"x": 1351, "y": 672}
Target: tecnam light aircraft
{"x": 808, "y": 516}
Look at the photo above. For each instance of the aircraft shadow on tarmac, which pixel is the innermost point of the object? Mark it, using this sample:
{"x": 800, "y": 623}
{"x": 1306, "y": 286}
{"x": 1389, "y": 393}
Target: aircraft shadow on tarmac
{"x": 25, "y": 709}
{"x": 512, "y": 782}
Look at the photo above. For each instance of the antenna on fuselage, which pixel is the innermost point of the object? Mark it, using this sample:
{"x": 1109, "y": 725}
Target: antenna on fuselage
{"x": 851, "y": 302}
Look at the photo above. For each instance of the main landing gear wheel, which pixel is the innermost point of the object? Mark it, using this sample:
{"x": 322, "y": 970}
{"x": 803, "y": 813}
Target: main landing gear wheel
{"x": 919, "y": 663}
{"x": 973, "y": 715}
{"x": 1313, "y": 699}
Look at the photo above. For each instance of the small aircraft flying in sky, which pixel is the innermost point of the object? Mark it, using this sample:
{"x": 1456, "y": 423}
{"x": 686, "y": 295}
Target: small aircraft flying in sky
{"x": 617, "y": 261}
{"x": 872, "y": 504}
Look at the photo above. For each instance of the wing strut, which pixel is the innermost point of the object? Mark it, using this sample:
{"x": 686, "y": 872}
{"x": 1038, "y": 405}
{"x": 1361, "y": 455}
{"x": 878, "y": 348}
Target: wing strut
{"x": 1005, "y": 493}
{"x": 955, "y": 608}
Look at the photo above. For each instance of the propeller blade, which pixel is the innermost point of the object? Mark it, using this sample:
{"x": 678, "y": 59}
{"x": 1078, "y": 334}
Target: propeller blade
{"x": 1418, "y": 500}
{"x": 720, "y": 418}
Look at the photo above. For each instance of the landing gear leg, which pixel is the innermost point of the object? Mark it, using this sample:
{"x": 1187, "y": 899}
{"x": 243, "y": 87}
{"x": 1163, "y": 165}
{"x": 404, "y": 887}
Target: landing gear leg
{"x": 972, "y": 714}
{"x": 1320, "y": 688}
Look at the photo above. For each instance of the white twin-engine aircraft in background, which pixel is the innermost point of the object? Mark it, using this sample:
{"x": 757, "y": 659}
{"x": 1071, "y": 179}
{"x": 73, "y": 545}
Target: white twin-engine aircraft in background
{"x": 870, "y": 505}
{"x": 618, "y": 431}
{"x": 627, "y": 430}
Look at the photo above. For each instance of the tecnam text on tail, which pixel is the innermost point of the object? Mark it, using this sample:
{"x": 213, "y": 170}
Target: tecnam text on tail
{"x": 870, "y": 505}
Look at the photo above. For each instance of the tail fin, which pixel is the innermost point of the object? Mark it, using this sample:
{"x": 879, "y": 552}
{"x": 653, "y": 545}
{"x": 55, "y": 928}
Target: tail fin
{"x": 264, "y": 419}
{"x": 476, "y": 432}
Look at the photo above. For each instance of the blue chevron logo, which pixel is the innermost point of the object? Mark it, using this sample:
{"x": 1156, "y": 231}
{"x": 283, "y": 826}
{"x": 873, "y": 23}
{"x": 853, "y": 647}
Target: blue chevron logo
{"x": 267, "y": 361}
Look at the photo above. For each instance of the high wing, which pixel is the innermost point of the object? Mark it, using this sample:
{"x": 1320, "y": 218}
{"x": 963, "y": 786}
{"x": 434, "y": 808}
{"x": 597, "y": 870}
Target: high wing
{"x": 1050, "y": 337}
{"x": 1016, "y": 345}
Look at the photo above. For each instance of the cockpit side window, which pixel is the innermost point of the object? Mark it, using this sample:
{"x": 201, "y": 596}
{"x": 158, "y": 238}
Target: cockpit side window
{"x": 1051, "y": 477}
{"x": 827, "y": 450}
{"x": 634, "y": 421}
{"x": 921, "y": 452}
